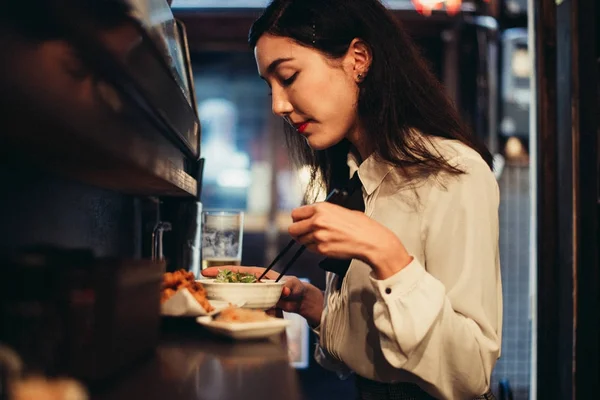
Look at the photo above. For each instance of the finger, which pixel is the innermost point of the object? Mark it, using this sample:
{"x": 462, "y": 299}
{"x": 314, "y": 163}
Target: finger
{"x": 312, "y": 247}
{"x": 293, "y": 288}
{"x": 300, "y": 228}
{"x": 272, "y": 275}
{"x": 289, "y": 306}
{"x": 306, "y": 240}
{"x": 211, "y": 272}
{"x": 303, "y": 212}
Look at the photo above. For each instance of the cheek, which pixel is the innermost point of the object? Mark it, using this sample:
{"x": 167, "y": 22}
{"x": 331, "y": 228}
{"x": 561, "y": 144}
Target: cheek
{"x": 344, "y": 99}
{"x": 338, "y": 98}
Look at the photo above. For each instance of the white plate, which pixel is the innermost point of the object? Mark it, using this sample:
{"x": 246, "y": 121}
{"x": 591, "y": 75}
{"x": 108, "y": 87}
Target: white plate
{"x": 245, "y": 330}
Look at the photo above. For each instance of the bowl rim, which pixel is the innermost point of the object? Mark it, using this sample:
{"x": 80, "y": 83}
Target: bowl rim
{"x": 269, "y": 282}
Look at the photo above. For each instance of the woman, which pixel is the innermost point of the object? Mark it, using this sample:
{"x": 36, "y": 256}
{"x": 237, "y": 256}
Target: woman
{"x": 418, "y": 314}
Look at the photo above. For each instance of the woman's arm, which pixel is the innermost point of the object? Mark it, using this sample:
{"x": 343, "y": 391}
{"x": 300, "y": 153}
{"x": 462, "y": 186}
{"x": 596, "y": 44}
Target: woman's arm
{"x": 441, "y": 318}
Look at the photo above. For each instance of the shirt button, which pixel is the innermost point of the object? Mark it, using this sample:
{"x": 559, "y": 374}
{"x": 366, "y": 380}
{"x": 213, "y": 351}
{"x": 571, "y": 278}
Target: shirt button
{"x": 388, "y": 290}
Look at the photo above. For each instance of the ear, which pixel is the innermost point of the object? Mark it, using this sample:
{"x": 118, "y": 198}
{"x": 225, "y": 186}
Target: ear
{"x": 359, "y": 56}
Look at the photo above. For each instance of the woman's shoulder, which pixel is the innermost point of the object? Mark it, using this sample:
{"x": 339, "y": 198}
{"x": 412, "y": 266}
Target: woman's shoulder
{"x": 456, "y": 152}
{"x": 476, "y": 173}
{"x": 476, "y": 178}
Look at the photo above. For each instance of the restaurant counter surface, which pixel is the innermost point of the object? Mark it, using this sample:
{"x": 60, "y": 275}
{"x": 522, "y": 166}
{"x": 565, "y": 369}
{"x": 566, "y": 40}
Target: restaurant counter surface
{"x": 191, "y": 363}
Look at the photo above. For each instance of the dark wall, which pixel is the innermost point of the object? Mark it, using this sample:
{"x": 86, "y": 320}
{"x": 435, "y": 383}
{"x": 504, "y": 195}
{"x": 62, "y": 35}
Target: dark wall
{"x": 38, "y": 208}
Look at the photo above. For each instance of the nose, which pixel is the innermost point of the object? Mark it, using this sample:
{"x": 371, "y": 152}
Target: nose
{"x": 280, "y": 104}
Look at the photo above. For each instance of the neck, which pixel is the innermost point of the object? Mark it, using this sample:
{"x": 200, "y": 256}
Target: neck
{"x": 358, "y": 139}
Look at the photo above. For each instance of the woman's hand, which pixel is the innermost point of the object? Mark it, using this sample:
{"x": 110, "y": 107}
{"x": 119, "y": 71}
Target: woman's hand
{"x": 338, "y": 232}
{"x": 296, "y": 297}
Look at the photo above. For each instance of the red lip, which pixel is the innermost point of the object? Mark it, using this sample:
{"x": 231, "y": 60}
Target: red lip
{"x": 301, "y": 127}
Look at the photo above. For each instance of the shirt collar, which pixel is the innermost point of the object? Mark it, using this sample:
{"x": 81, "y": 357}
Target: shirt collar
{"x": 371, "y": 172}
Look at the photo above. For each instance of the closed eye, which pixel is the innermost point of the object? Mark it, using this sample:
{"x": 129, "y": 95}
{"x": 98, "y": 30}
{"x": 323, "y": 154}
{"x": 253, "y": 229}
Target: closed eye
{"x": 290, "y": 80}
{"x": 284, "y": 82}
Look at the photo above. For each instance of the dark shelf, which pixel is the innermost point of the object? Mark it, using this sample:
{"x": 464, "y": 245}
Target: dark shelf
{"x": 97, "y": 104}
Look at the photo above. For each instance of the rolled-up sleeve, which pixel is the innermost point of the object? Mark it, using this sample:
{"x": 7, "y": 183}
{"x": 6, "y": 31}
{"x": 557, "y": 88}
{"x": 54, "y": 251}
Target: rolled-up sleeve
{"x": 440, "y": 318}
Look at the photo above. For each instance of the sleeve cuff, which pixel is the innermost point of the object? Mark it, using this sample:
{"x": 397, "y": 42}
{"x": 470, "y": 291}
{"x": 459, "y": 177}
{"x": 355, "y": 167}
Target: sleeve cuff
{"x": 401, "y": 283}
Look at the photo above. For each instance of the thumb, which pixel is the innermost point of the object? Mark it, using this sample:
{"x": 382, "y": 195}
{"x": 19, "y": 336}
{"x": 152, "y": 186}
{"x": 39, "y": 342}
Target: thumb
{"x": 210, "y": 272}
{"x": 293, "y": 288}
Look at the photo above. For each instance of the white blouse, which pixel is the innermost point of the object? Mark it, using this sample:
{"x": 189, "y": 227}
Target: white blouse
{"x": 438, "y": 321}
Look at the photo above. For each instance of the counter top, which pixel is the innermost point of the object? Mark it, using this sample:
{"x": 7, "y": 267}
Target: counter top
{"x": 191, "y": 363}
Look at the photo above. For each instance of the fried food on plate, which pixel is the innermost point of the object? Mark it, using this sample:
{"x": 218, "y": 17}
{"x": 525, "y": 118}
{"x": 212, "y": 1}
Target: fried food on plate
{"x": 182, "y": 279}
{"x": 174, "y": 279}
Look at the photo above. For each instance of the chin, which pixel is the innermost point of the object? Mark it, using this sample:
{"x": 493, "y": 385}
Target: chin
{"x": 317, "y": 143}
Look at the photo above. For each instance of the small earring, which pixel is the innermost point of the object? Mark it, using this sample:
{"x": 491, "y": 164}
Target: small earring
{"x": 359, "y": 77}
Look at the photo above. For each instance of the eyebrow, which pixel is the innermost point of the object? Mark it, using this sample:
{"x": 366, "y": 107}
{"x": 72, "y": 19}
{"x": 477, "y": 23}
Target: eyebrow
{"x": 273, "y": 66}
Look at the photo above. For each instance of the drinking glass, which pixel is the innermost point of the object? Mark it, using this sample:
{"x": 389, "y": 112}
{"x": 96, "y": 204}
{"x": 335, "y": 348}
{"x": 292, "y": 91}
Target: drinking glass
{"x": 222, "y": 233}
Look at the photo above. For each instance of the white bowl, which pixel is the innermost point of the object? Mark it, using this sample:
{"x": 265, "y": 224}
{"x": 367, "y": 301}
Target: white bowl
{"x": 263, "y": 295}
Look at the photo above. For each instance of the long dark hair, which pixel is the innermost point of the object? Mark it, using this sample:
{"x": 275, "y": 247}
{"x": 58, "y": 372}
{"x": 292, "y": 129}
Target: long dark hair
{"x": 401, "y": 103}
